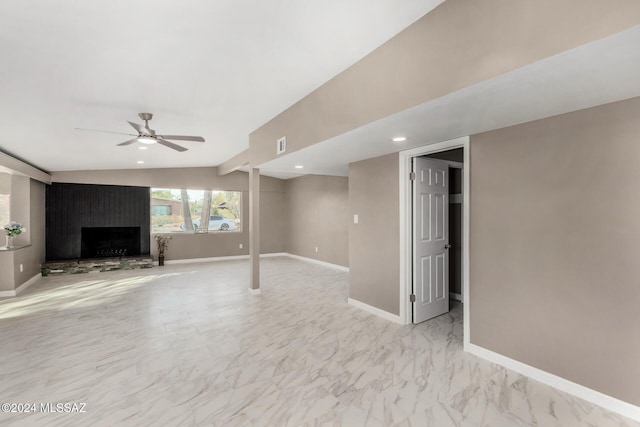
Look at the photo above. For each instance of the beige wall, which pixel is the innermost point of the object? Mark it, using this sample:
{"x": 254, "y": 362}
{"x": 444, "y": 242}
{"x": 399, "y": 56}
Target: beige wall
{"x": 15, "y": 166}
{"x": 295, "y": 215}
{"x": 318, "y": 216}
{"x": 554, "y": 244}
{"x": 374, "y": 258}
{"x": 466, "y": 48}
{"x": 35, "y": 254}
{"x": 7, "y": 282}
{"x": 555, "y": 232}
{"x": 5, "y": 183}
{"x": 20, "y": 206}
{"x": 29, "y": 205}
{"x": 188, "y": 246}
{"x": 274, "y": 220}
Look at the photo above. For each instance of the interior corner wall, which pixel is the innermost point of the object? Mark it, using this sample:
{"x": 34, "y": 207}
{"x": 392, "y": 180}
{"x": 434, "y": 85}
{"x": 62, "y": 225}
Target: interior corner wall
{"x": 555, "y": 226}
{"x": 274, "y": 218}
{"x": 5, "y": 183}
{"x": 20, "y": 206}
{"x": 374, "y": 243}
{"x": 31, "y": 257}
{"x": 318, "y": 216}
{"x": 32, "y": 208}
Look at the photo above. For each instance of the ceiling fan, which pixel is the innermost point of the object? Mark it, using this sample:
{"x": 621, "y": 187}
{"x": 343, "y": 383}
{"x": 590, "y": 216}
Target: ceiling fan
{"x": 146, "y": 135}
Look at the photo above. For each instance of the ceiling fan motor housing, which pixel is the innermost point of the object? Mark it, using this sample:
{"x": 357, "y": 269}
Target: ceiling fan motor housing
{"x": 145, "y": 116}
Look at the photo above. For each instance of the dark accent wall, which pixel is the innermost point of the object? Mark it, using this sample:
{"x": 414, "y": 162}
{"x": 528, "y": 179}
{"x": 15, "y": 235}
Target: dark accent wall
{"x": 69, "y": 207}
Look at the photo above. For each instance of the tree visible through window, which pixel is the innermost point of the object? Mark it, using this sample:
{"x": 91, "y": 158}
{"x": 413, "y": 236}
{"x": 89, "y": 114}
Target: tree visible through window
{"x": 195, "y": 211}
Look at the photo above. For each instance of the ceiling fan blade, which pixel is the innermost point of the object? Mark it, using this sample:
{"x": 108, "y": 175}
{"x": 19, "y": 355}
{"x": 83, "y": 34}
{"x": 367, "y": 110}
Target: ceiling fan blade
{"x": 106, "y": 131}
{"x": 129, "y": 142}
{"x": 137, "y": 127}
{"x": 183, "y": 138}
{"x": 171, "y": 145}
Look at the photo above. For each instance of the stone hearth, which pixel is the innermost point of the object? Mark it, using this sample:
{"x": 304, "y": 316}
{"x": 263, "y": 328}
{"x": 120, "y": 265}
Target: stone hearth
{"x": 58, "y": 268}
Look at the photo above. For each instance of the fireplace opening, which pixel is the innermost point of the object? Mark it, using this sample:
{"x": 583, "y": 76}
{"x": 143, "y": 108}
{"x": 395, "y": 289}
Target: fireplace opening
{"x": 107, "y": 242}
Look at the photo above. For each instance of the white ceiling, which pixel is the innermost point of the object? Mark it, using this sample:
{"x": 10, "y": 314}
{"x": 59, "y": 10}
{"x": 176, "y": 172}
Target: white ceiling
{"x": 218, "y": 68}
{"x": 604, "y": 71}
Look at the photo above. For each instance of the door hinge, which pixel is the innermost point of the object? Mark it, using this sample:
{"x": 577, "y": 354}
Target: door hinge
{"x": 412, "y": 298}
{"x": 412, "y": 176}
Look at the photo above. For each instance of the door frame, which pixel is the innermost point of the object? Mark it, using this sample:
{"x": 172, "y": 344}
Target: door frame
{"x": 406, "y": 225}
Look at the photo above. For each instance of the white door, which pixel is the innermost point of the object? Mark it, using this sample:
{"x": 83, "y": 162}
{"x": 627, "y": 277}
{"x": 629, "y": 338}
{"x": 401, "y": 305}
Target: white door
{"x": 430, "y": 239}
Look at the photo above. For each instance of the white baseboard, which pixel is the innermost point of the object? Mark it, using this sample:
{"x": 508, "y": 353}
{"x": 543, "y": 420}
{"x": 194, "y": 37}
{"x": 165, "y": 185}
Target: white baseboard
{"x": 237, "y": 257}
{"x": 274, "y": 254}
{"x": 21, "y": 288}
{"x": 374, "y": 310}
{"x": 28, "y": 283}
{"x": 454, "y": 296}
{"x": 612, "y": 404}
{"x": 210, "y": 259}
{"x": 315, "y": 261}
{"x": 219, "y": 258}
{"x": 255, "y": 291}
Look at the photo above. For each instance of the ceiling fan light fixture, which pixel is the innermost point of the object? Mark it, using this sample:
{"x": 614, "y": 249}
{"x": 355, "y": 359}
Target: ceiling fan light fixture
{"x": 146, "y": 140}
{"x": 147, "y": 136}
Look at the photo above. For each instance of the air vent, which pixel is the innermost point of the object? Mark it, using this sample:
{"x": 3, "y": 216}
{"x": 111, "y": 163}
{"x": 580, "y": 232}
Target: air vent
{"x": 281, "y": 145}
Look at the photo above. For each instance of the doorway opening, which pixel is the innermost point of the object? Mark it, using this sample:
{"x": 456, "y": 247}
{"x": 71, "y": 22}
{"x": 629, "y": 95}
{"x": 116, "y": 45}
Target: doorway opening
{"x": 453, "y": 157}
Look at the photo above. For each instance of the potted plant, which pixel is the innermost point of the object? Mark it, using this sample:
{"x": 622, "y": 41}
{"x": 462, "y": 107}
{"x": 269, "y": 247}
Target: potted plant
{"x": 163, "y": 242}
{"x": 13, "y": 230}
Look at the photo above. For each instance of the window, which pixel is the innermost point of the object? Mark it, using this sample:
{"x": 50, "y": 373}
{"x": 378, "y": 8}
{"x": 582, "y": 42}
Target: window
{"x": 182, "y": 211}
{"x": 5, "y": 216}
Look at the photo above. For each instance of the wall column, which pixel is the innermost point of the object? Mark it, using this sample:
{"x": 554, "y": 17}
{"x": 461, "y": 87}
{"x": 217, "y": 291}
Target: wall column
{"x": 20, "y": 206}
{"x": 254, "y": 230}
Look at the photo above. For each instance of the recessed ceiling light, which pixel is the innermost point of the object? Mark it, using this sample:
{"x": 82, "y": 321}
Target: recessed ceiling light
{"x": 142, "y": 147}
{"x": 140, "y": 162}
{"x": 298, "y": 166}
{"x": 399, "y": 139}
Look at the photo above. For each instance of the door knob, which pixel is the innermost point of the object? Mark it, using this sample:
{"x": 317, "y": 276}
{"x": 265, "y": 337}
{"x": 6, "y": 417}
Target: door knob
{"x": 447, "y": 246}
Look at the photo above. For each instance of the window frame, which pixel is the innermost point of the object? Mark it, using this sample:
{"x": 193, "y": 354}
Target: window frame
{"x": 235, "y": 199}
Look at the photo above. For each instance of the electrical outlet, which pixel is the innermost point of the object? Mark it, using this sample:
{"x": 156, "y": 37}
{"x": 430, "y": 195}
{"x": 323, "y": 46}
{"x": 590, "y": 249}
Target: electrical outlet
{"x": 240, "y": 245}
{"x": 21, "y": 268}
{"x": 316, "y": 249}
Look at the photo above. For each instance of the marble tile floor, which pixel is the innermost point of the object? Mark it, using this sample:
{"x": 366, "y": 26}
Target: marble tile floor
{"x": 187, "y": 345}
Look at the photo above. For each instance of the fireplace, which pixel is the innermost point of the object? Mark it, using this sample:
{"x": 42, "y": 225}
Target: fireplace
{"x": 103, "y": 242}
